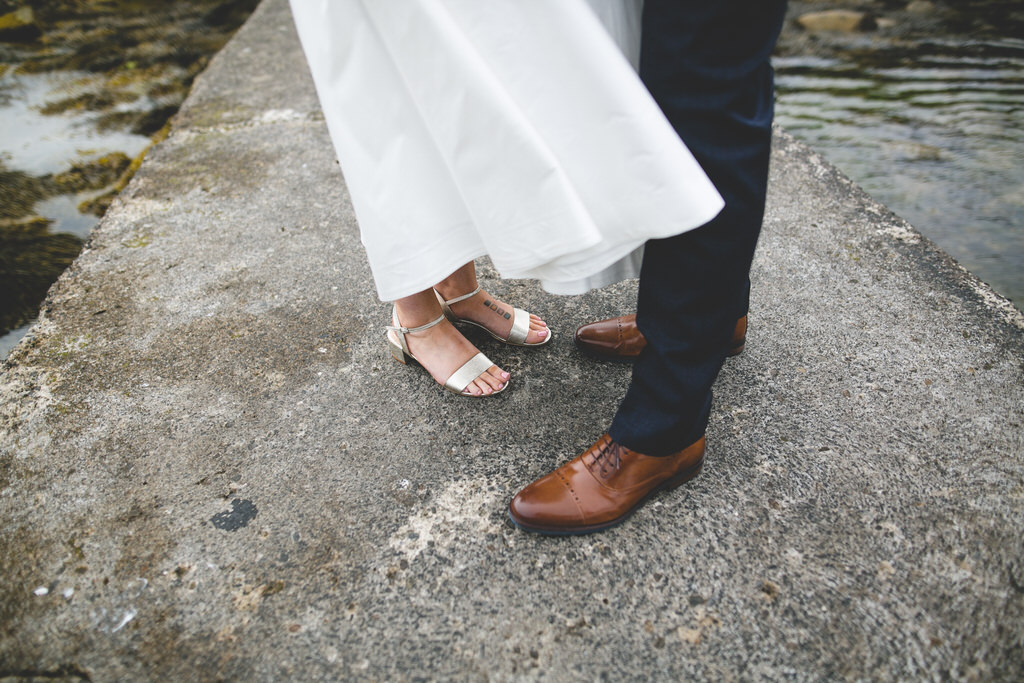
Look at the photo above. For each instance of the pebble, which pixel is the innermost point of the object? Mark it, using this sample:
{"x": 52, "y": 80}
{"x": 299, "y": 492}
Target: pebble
{"x": 836, "y": 20}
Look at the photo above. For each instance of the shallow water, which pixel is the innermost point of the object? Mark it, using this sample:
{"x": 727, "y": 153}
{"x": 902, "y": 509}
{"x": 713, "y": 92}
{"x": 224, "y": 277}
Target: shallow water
{"x": 936, "y": 134}
{"x": 38, "y": 144}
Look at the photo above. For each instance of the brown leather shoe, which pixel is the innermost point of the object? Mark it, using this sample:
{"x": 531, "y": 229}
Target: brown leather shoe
{"x": 600, "y": 488}
{"x": 619, "y": 339}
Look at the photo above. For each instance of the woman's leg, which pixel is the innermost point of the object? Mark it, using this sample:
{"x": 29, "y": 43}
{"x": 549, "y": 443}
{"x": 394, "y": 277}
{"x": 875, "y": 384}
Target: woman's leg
{"x": 442, "y": 349}
{"x": 483, "y": 308}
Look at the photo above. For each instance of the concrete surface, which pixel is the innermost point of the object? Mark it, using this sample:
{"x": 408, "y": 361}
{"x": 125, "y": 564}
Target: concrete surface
{"x": 210, "y": 469}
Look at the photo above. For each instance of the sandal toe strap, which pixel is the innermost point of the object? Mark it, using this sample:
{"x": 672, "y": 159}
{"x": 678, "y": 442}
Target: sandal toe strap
{"x": 473, "y": 368}
{"x": 520, "y": 328}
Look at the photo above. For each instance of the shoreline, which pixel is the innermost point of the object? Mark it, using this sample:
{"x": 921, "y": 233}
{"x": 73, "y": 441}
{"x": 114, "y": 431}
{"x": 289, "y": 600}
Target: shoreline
{"x": 124, "y": 73}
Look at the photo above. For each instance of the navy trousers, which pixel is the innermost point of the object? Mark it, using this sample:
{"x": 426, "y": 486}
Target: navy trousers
{"x": 707, "y": 66}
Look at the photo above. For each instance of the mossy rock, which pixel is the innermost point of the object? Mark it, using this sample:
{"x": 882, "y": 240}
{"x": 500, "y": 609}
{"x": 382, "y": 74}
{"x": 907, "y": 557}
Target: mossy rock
{"x": 19, "y": 26}
{"x": 144, "y": 123}
{"x": 93, "y": 175}
{"x": 150, "y": 123}
{"x": 19, "y": 192}
{"x": 90, "y": 101}
{"x": 31, "y": 259}
{"x": 97, "y": 206}
{"x": 139, "y": 51}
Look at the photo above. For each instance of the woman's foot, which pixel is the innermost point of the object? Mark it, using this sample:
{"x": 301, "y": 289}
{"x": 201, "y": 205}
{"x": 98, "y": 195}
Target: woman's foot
{"x": 495, "y": 316}
{"x": 442, "y": 350}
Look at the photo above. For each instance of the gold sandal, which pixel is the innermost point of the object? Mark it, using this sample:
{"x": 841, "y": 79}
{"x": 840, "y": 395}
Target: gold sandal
{"x": 520, "y": 323}
{"x": 460, "y": 379}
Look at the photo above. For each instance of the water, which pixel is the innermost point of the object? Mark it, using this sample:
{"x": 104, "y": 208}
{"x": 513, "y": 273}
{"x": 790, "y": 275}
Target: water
{"x": 936, "y": 134}
{"x": 39, "y": 144}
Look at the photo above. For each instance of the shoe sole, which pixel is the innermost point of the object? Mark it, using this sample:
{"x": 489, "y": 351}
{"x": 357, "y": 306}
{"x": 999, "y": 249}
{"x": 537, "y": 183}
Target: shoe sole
{"x": 734, "y": 351}
{"x": 667, "y": 485}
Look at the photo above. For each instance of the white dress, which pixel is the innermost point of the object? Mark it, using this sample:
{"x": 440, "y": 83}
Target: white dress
{"x": 512, "y": 128}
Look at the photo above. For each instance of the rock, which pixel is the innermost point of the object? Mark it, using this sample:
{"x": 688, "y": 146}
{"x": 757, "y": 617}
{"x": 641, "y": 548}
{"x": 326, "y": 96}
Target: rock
{"x": 92, "y": 175}
{"x": 19, "y": 26}
{"x": 19, "y": 193}
{"x": 836, "y": 20}
{"x": 97, "y": 206}
{"x": 921, "y": 7}
{"x": 31, "y": 258}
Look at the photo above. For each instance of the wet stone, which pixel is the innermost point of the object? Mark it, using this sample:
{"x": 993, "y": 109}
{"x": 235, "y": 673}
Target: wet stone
{"x": 93, "y": 175}
{"x": 19, "y": 26}
{"x": 836, "y": 20}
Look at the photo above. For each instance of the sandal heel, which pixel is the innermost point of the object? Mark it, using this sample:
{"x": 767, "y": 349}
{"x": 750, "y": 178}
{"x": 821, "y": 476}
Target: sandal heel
{"x": 398, "y": 353}
{"x": 459, "y": 380}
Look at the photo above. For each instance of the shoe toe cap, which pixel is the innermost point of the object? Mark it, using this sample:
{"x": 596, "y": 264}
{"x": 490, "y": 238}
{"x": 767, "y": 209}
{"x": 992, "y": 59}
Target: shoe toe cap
{"x": 545, "y": 504}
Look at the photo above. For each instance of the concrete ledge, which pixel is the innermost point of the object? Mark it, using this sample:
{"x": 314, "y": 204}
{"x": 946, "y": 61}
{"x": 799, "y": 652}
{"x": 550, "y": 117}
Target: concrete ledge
{"x": 211, "y": 470}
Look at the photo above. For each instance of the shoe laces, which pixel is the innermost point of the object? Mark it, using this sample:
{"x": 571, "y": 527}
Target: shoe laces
{"x": 608, "y": 454}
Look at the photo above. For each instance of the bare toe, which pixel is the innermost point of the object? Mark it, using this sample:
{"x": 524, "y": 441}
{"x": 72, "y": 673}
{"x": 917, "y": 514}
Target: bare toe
{"x": 538, "y": 330}
{"x": 483, "y": 384}
{"x": 494, "y": 378}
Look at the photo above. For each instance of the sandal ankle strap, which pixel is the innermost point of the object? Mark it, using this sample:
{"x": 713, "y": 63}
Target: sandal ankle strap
{"x": 457, "y": 299}
{"x": 410, "y": 330}
{"x": 401, "y": 331}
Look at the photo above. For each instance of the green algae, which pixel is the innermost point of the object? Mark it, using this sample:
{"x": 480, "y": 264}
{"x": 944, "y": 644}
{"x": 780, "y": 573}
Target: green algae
{"x": 19, "y": 26}
{"x": 93, "y": 175}
{"x": 137, "y": 242}
{"x": 19, "y": 192}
